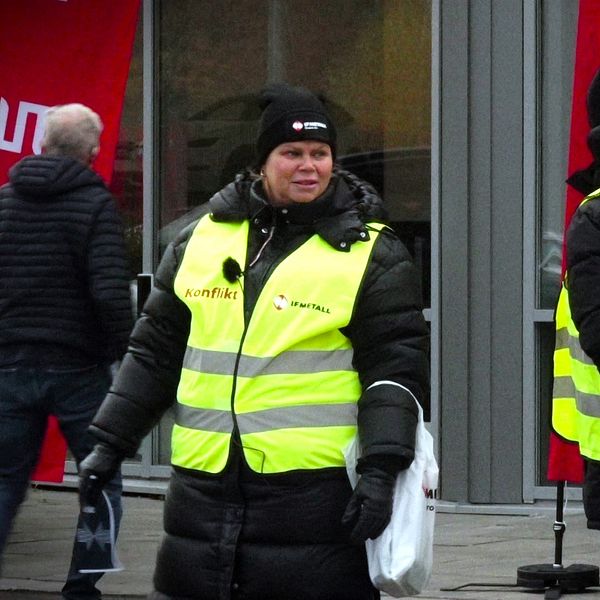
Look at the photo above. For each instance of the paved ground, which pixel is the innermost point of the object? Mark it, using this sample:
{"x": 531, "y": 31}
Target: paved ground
{"x": 470, "y": 548}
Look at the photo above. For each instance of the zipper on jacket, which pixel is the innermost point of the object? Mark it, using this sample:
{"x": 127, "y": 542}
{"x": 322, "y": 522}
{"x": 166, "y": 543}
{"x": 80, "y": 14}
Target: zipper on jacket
{"x": 248, "y": 312}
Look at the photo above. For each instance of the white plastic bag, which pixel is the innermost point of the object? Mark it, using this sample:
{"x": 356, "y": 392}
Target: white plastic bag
{"x": 401, "y": 558}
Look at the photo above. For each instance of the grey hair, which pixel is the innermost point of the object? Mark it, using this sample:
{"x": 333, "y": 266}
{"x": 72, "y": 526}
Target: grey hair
{"x": 72, "y": 130}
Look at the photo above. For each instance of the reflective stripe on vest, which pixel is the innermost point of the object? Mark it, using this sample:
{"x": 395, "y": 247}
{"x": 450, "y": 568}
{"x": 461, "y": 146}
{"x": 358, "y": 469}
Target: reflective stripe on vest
{"x": 576, "y": 388}
{"x": 287, "y": 381}
{"x": 564, "y": 404}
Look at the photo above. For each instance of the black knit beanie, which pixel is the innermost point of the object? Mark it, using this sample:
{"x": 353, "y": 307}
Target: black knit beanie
{"x": 593, "y": 110}
{"x": 587, "y": 180}
{"x": 291, "y": 114}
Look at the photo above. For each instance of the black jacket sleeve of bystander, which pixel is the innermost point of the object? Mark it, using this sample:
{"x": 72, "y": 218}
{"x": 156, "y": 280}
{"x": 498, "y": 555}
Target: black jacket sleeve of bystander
{"x": 583, "y": 275}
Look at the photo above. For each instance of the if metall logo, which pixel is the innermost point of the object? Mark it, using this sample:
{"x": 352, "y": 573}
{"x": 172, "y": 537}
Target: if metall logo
{"x": 281, "y": 303}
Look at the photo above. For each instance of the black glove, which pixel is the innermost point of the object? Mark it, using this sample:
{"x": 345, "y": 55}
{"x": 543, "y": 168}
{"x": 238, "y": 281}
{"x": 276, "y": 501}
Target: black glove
{"x": 95, "y": 471}
{"x": 370, "y": 506}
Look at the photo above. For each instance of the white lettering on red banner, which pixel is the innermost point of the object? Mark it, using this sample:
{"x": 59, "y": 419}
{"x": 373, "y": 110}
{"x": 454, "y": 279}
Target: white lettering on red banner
{"x": 23, "y": 111}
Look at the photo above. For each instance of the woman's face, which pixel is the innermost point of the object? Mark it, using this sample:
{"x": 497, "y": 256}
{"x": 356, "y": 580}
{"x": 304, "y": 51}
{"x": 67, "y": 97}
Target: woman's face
{"x": 297, "y": 172}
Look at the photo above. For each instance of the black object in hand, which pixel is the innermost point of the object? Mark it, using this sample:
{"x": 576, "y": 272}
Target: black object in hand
{"x": 95, "y": 471}
{"x": 370, "y": 507}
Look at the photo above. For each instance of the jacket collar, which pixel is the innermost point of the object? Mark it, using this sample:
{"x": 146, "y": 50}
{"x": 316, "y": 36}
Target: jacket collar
{"x": 339, "y": 216}
{"x": 44, "y": 176}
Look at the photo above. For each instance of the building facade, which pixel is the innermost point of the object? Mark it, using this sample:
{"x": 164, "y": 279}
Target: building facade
{"x": 458, "y": 111}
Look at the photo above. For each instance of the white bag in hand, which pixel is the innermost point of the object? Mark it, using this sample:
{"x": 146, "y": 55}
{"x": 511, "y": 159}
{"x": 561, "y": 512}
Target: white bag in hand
{"x": 401, "y": 558}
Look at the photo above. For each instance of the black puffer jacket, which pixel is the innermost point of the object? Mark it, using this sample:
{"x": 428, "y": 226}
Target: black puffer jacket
{"x": 64, "y": 291}
{"x": 583, "y": 273}
{"x": 583, "y": 283}
{"x": 240, "y": 534}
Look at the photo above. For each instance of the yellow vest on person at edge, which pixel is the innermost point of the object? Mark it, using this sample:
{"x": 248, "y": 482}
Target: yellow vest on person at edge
{"x": 287, "y": 379}
{"x": 576, "y": 389}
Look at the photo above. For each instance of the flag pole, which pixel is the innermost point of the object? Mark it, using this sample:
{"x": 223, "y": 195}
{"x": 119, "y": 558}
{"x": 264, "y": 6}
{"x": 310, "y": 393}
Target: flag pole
{"x": 555, "y": 578}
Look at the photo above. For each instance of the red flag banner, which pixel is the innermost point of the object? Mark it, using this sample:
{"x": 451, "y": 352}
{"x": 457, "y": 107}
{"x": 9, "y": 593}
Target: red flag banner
{"x": 587, "y": 62}
{"x": 51, "y": 465}
{"x": 564, "y": 461}
{"x": 57, "y": 52}
{"x": 61, "y": 51}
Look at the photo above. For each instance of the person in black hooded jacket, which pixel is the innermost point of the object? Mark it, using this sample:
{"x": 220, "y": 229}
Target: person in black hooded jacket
{"x": 65, "y": 308}
{"x": 283, "y": 322}
{"x": 583, "y": 273}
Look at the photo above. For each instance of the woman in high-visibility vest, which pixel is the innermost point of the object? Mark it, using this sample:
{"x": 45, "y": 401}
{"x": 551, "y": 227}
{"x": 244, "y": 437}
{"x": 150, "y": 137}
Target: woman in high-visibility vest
{"x": 285, "y": 321}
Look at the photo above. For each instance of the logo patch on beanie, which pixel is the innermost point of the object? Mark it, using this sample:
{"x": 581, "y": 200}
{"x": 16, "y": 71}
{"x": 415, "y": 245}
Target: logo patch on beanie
{"x": 299, "y": 125}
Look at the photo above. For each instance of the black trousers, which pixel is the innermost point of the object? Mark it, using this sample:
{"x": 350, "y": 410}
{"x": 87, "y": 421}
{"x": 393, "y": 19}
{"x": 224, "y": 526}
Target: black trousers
{"x": 591, "y": 494}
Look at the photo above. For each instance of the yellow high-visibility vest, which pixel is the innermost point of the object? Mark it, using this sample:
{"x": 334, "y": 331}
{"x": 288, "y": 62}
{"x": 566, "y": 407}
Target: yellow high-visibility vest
{"x": 283, "y": 376}
{"x": 576, "y": 388}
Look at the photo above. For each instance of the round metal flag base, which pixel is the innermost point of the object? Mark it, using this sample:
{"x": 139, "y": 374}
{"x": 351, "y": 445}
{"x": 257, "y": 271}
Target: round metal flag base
{"x": 574, "y": 578}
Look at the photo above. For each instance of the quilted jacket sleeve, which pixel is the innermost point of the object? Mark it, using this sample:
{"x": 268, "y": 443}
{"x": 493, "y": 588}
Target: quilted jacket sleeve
{"x": 146, "y": 384}
{"x": 108, "y": 278}
{"x": 583, "y": 272}
{"x": 391, "y": 354}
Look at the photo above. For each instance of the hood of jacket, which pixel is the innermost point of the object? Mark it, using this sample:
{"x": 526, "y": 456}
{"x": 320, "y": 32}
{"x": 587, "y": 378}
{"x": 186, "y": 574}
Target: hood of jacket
{"x": 41, "y": 177}
{"x": 338, "y": 216}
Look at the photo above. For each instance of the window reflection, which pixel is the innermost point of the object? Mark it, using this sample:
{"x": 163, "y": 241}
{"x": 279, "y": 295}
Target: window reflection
{"x": 402, "y": 177}
{"x": 558, "y": 35}
{"x": 369, "y": 59}
{"x": 126, "y": 184}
